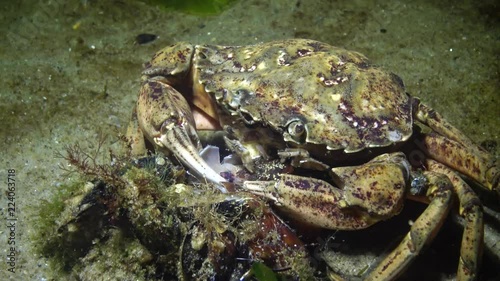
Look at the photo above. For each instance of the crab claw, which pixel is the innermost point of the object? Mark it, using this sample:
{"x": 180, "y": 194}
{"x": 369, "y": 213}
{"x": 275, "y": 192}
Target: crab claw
{"x": 363, "y": 194}
{"x": 167, "y": 121}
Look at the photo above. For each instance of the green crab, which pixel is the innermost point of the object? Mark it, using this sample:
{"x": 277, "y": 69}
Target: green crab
{"x": 321, "y": 109}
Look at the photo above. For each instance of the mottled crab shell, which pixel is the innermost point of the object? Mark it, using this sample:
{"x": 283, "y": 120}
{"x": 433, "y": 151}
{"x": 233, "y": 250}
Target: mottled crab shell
{"x": 342, "y": 100}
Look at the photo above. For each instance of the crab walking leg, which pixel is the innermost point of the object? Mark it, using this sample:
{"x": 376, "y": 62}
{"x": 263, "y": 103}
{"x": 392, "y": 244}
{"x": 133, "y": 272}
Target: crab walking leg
{"x": 461, "y": 158}
{"x": 423, "y": 230}
{"x": 435, "y": 121}
{"x": 166, "y": 120}
{"x": 471, "y": 210}
{"x": 455, "y": 149}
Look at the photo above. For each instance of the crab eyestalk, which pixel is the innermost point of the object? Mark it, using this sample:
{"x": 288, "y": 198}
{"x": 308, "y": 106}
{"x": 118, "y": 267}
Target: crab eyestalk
{"x": 167, "y": 121}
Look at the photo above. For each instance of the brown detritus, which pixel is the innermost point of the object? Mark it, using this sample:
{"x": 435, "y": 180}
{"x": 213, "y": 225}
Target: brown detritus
{"x": 88, "y": 164}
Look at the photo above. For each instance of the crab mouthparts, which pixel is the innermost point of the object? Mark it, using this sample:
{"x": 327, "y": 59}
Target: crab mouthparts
{"x": 177, "y": 140}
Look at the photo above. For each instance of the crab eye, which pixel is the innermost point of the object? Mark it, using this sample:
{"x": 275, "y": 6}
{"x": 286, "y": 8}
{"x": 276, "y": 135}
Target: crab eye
{"x": 297, "y": 131}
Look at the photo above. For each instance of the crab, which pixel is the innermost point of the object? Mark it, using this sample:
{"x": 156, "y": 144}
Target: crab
{"x": 347, "y": 127}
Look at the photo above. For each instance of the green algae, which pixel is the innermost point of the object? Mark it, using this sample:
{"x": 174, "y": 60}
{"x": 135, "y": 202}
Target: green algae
{"x": 51, "y": 239}
{"x": 195, "y": 7}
